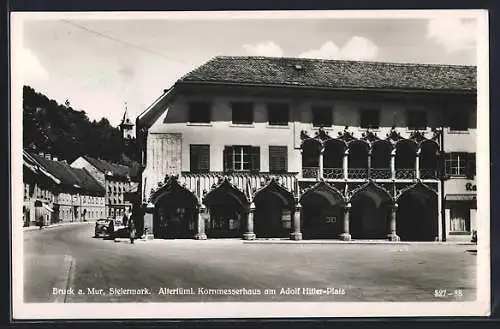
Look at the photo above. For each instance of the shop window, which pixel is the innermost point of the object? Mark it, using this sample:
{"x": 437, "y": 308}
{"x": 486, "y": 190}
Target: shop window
{"x": 460, "y": 218}
{"x": 278, "y": 159}
{"x": 199, "y": 112}
{"x": 417, "y": 119}
{"x": 322, "y": 116}
{"x": 278, "y": 114}
{"x": 370, "y": 119}
{"x": 242, "y": 113}
{"x": 199, "y": 158}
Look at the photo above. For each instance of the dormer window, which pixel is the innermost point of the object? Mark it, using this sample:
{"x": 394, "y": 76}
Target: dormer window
{"x": 200, "y": 112}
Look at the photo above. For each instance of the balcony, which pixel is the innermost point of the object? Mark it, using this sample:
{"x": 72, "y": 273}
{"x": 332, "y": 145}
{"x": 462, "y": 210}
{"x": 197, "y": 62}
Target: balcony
{"x": 203, "y": 182}
{"x": 364, "y": 173}
{"x": 357, "y": 173}
{"x": 310, "y": 172}
{"x": 428, "y": 173}
{"x": 405, "y": 173}
{"x": 380, "y": 173}
{"x": 333, "y": 173}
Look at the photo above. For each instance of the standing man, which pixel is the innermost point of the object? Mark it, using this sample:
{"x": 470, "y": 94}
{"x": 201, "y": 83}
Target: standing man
{"x": 132, "y": 230}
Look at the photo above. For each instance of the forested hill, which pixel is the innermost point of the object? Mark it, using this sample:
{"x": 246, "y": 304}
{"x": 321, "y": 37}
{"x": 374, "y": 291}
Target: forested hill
{"x": 57, "y": 129}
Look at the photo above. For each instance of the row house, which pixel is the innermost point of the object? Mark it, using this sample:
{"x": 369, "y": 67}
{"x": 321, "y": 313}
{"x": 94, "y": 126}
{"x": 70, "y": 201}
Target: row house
{"x": 116, "y": 179}
{"x": 301, "y": 148}
{"x": 76, "y": 196}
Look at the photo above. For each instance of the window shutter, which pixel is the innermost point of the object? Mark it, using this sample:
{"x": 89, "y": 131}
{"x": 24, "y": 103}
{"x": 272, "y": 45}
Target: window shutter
{"x": 470, "y": 166}
{"x": 228, "y": 158}
{"x": 255, "y": 158}
{"x": 278, "y": 159}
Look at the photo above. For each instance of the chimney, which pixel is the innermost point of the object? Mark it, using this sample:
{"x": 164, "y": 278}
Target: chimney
{"x": 54, "y": 158}
{"x": 47, "y": 156}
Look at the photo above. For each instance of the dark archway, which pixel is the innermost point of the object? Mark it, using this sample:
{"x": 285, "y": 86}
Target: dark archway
{"x": 311, "y": 149}
{"x": 417, "y": 215}
{"x": 358, "y": 159}
{"x": 381, "y": 160}
{"x": 333, "y": 159}
{"x": 406, "y": 155}
{"x": 274, "y": 207}
{"x": 228, "y": 208}
{"x": 370, "y": 211}
{"x": 322, "y": 212}
{"x": 428, "y": 159}
{"x": 175, "y": 211}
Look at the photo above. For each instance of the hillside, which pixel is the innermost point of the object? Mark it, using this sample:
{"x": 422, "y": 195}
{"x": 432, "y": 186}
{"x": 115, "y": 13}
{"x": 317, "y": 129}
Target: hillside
{"x": 66, "y": 133}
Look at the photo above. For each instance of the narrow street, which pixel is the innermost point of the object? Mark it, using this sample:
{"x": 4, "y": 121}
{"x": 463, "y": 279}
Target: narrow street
{"x": 70, "y": 257}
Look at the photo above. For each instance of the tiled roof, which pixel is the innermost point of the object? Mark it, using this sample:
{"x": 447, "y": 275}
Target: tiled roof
{"x": 106, "y": 166}
{"x": 69, "y": 176}
{"x": 333, "y": 74}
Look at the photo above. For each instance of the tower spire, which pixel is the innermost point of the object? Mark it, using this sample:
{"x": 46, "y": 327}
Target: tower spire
{"x": 126, "y": 126}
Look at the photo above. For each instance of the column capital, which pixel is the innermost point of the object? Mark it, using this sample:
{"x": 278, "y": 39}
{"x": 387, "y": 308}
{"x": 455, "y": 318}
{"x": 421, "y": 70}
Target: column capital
{"x": 298, "y": 205}
{"x": 348, "y": 205}
{"x": 252, "y": 206}
{"x": 395, "y": 205}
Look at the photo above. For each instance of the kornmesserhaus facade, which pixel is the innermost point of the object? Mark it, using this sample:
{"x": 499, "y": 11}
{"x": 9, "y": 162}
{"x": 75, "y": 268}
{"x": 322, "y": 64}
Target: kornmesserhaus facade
{"x": 257, "y": 147}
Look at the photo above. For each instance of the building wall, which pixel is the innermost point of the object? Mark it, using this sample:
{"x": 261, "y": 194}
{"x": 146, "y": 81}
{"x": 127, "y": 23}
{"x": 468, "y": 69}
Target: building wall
{"x": 115, "y": 200}
{"x": 74, "y": 206}
{"x": 81, "y": 163}
{"x": 221, "y": 131}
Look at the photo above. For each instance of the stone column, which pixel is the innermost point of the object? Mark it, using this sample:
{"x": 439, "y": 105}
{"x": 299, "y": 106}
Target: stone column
{"x": 200, "y": 223}
{"x": 346, "y": 164}
{"x": 346, "y": 236}
{"x": 296, "y": 234}
{"x": 392, "y": 236}
{"x": 369, "y": 164}
{"x": 320, "y": 173}
{"x": 393, "y": 164}
{"x": 417, "y": 165}
{"x": 249, "y": 234}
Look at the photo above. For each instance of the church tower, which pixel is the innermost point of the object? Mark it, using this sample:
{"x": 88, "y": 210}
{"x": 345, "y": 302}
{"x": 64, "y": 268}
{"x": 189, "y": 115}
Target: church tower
{"x": 126, "y": 126}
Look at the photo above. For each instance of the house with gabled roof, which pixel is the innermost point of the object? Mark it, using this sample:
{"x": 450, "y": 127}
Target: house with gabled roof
{"x": 115, "y": 179}
{"x": 366, "y": 150}
{"x": 56, "y": 192}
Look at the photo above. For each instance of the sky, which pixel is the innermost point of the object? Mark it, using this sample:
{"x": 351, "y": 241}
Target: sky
{"x": 100, "y": 65}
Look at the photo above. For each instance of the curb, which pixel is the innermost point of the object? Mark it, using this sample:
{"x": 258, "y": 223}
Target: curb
{"x": 66, "y": 280}
{"x": 37, "y": 228}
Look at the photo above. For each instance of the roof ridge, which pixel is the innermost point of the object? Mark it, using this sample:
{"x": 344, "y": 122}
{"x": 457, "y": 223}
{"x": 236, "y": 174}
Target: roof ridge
{"x": 337, "y": 61}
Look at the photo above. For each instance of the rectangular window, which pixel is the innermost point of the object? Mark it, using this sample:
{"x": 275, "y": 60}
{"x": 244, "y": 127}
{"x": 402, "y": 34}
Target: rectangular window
{"x": 199, "y": 158}
{"x": 242, "y": 113}
{"x": 241, "y": 158}
{"x": 200, "y": 112}
{"x": 278, "y": 159}
{"x": 417, "y": 119}
{"x": 455, "y": 164}
{"x": 278, "y": 114}
{"x": 458, "y": 120}
{"x": 460, "y": 217}
{"x": 322, "y": 116}
{"x": 370, "y": 119}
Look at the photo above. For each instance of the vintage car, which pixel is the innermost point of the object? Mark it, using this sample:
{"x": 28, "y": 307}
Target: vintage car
{"x": 104, "y": 227}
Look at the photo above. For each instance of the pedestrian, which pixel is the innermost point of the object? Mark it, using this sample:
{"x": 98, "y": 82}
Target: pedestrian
{"x": 40, "y": 222}
{"x": 132, "y": 230}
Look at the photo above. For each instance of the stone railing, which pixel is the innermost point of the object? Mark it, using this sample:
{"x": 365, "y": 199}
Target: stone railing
{"x": 380, "y": 173}
{"x": 310, "y": 172}
{"x": 357, "y": 173}
{"x": 333, "y": 173}
{"x": 405, "y": 173}
{"x": 200, "y": 183}
{"x": 428, "y": 173}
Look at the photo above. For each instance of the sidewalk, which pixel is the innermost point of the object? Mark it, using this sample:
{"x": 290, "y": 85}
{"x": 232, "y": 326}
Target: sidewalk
{"x": 37, "y": 228}
{"x": 299, "y": 242}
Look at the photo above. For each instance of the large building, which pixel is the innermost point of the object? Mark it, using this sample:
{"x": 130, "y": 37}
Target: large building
{"x": 55, "y": 192}
{"x": 116, "y": 180}
{"x": 300, "y": 148}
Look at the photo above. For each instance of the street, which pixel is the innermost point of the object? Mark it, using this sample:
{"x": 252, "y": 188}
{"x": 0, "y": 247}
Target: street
{"x": 67, "y": 264}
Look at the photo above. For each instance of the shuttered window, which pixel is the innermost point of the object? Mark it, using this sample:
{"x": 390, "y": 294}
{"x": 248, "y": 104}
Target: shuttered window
{"x": 241, "y": 158}
{"x": 200, "y": 158}
{"x": 278, "y": 159}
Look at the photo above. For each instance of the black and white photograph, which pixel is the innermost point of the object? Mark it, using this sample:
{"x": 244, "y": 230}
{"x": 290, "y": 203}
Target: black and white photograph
{"x": 250, "y": 164}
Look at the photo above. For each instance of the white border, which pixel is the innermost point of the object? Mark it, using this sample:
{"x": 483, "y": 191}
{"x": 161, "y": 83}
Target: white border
{"x": 481, "y": 307}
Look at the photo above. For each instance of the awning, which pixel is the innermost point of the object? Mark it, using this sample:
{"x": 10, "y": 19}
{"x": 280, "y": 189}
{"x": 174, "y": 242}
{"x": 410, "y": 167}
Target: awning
{"x": 48, "y": 208}
{"x": 460, "y": 197}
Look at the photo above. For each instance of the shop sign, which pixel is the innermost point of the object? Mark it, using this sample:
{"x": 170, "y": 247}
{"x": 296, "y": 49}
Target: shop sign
{"x": 470, "y": 187}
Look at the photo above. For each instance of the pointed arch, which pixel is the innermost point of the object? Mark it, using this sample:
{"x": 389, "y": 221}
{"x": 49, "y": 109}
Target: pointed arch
{"x": 226, "y": 193}
{"x": 333, "y": 154}
{"x": 417, "y": 215}
{"x": 274, "y": 191}
{"x": 274, "y": 207}
{"x": 428, "y": 159}
{"x": 322, "y": 211}
{"x": 358, "y": 159}
{"x": 406, "y": 155}
{"x": 381, "y": 159}
{"x": 175, "y": 211}
{"x": 370, "y": 211}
